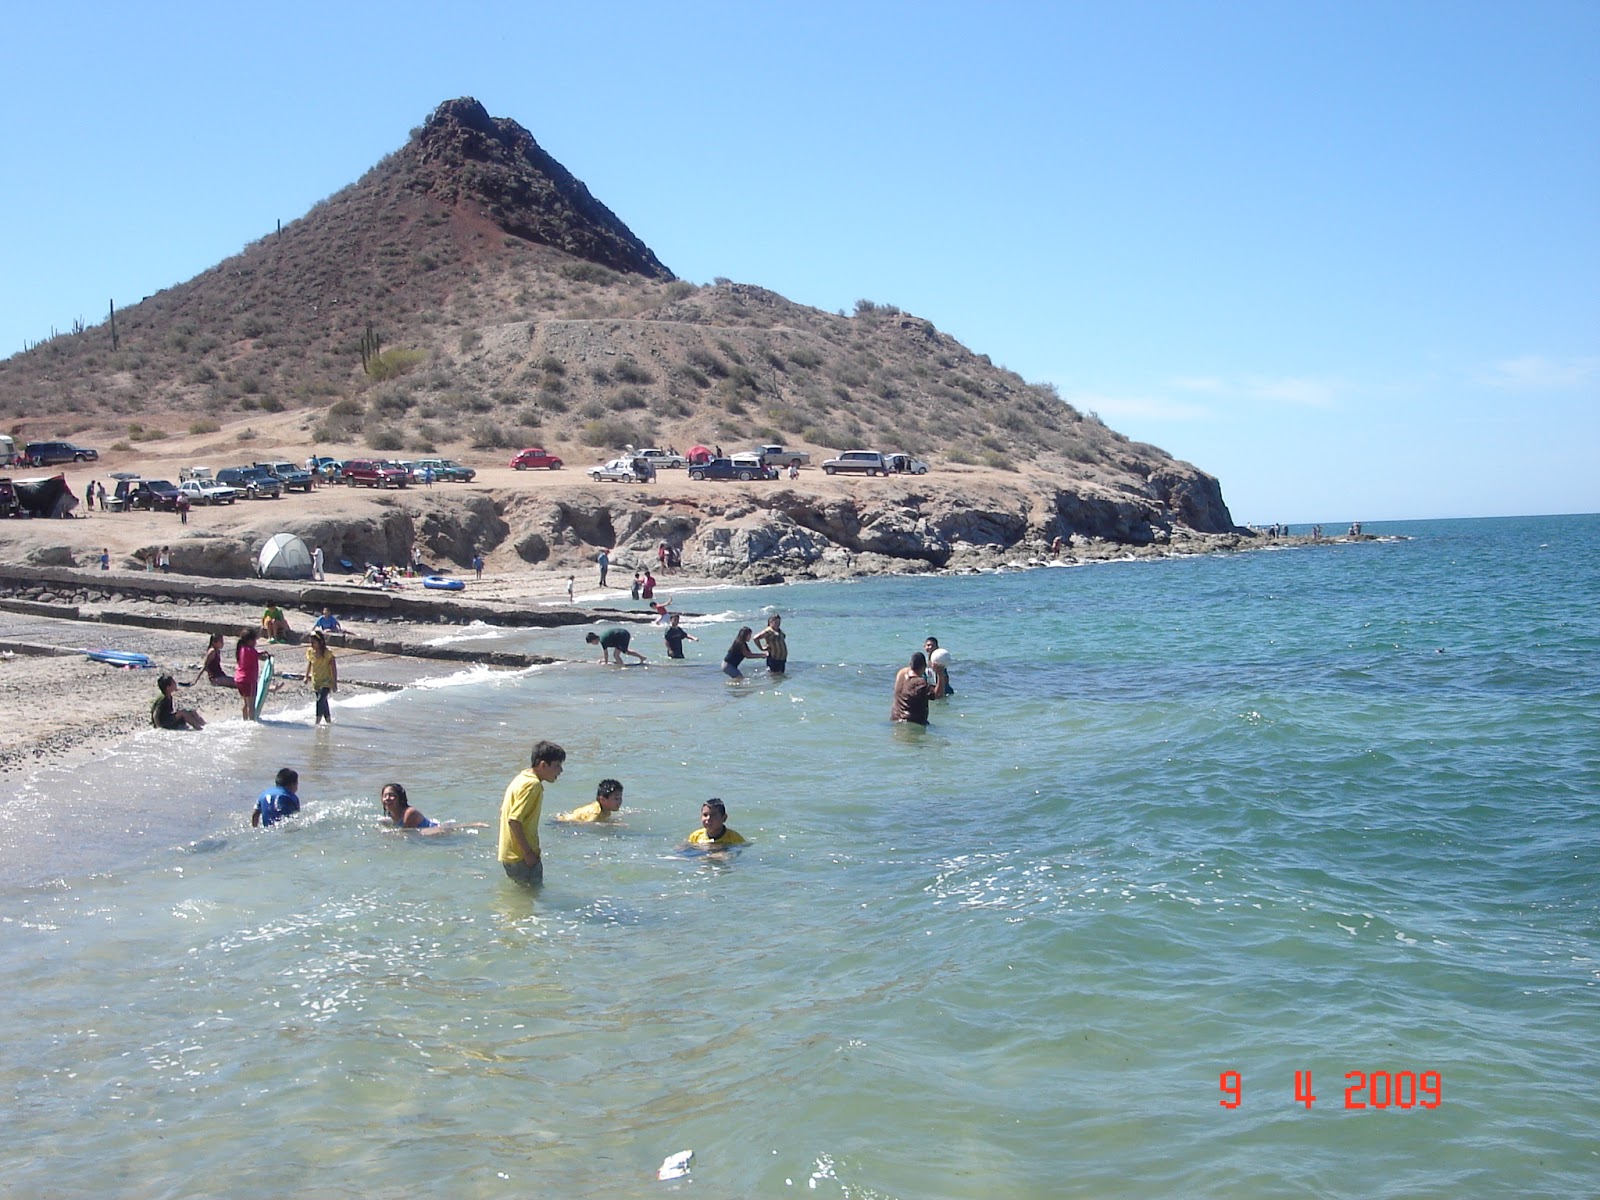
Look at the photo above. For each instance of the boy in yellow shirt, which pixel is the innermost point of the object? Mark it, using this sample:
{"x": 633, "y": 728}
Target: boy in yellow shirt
{"x": 714, "y": 833}
{"x": 607, "y": 800}
{"x": 519, "y": 814}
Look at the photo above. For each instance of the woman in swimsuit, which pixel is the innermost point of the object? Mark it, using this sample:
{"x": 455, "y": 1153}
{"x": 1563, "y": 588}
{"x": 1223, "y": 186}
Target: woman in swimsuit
{"x": 397, "y": 807}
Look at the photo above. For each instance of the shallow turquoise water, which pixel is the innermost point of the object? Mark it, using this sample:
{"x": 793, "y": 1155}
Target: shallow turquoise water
{"x": 1330, "y": 810}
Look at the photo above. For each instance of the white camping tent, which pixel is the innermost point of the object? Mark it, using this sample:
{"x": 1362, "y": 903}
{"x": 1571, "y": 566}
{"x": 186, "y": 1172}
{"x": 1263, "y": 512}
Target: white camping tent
{"x": 284, "y": 557}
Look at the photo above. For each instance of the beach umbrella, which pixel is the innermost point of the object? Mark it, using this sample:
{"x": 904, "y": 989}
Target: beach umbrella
{"x": 284, "y": 557}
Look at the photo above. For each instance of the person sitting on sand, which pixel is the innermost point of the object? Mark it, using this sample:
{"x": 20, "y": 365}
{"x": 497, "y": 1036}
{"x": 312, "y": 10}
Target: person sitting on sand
{"x": 911, "y": 692}
{"x": 607, "y": 800}
{"x": 713, "y": 833}
{"x": 165, "y": 713}
{"x": 738, "y": 652}
{"x": 327, "y": 622}
{"x": 211, "y": 666}
{"x": 675, "y": 636}
{"x": 278, "y": 801}
{"x": 613, "y": 640}
{"x": 274, "y": 624}
{"x": 398, "y": 811}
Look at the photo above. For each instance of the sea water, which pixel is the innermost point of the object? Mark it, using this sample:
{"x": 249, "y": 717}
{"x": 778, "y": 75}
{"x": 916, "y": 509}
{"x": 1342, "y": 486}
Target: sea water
{"x": 1194, "y": 841}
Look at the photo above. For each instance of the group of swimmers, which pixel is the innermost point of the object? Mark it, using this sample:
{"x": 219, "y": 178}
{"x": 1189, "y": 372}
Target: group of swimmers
{"x": 519, "y": 850}
{"x": 771, "y": 644}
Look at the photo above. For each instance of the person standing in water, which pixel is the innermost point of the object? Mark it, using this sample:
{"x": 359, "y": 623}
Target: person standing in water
{"x": 911, "y": 692}
{"x": 675, "y": 635}
{"x": 774, "y": 644}
{"x": 519, "y": 814}
{"x": 247, "y": 669}
{"x": 737, "y": 653}
{"x": 322, "y": 675}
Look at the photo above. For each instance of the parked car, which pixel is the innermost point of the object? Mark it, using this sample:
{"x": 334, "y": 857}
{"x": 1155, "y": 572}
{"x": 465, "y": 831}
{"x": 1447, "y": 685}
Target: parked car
{"x": 445, "y": 470}
{"x": 48, "y": 454}
{"x": 904, "y": 464}
{"x": 252, "y": 482}
{"x": 728, "y": 468}
{"x": 865, "y": 462}
{"x": 206, "y": 491}
{"x": 152, "y": 494}
{"x": 661, "y": 459}
{"x": 535, "y": 456}
{"x": 371, "y": 472}
{"x": 782, "y": 456}
{"x": 203, "y": 474}
{"x": 293, "y": 477}
{"x": 328, "y": 468}
{"x": 618, "y": 470}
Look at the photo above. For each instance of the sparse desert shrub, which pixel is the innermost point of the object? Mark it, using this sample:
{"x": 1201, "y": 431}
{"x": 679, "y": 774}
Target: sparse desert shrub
{"x": 594, "y": 410}
{"x": 421, "y": 445}
{"x": 270, "y": 404}
{"x": 385, "y": 439}
{"x": 588, "y": 272}
{"x": 250, "y": 385}
{"x": 393, "y": 363}
{"x": 998, "y": 460}
{"x": 629, "y": 398}
{"x": 704, "y": 360}
{"x": 345, "y": 408}
{"x": 552, "y": 365}
{"x": 609, "y": 433}
{"x": 628, "y": 371}
{"x": 600, "y": 375}
{"x": 145, "y": 433}
{"x": 204, "y": 425}
{"x": 470, "y": 340}
{"x": 678, "y": 289}
{"x": 121, "y": 446}
{"x": 201, "y": 373}
{"x": 245, "y": 435}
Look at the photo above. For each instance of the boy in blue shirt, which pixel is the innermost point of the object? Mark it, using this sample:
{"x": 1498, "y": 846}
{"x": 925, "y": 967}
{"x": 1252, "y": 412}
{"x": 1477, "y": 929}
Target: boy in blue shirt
{"x": 278, "y": 801}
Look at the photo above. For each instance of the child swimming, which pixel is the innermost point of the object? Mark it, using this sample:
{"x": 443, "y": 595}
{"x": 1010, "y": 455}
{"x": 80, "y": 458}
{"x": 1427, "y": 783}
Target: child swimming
{"x": 714, "y": 833}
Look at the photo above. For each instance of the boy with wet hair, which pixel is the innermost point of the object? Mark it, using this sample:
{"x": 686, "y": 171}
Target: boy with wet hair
{"x": 519, "y": 814}
{"x": 607, "y": 800}
{"x": 714, "y": 833}
{"x": 278, "y": 801}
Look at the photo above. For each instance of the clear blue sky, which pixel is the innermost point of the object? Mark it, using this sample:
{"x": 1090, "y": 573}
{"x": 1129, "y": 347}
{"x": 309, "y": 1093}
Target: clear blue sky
{"x": 1346, "y": 255}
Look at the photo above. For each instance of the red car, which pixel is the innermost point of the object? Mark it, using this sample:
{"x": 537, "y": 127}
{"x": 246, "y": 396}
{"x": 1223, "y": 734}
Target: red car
{"x": 535, "y": 456}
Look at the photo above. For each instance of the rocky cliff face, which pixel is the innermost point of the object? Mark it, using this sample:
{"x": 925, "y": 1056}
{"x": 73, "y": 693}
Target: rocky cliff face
{"x": 464, "y": 154}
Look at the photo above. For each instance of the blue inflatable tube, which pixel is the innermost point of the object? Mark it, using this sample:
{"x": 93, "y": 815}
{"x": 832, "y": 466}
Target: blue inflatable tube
{"x": 121, "y": 658}
{"x": 441, "y": 584}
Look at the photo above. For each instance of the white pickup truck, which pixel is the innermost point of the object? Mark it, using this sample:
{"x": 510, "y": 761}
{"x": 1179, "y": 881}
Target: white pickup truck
{"x": 782, "y": 456}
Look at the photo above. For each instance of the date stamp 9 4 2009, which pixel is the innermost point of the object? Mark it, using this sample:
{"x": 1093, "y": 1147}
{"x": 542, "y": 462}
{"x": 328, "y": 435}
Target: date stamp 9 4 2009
{"x": 1364, "y": 1089}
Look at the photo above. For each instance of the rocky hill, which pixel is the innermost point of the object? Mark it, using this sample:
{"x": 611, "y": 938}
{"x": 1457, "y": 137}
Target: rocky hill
{"x": 468, "y": 294}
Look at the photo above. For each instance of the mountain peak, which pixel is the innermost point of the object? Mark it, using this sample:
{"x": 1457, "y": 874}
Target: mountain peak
{"x": 463, "y": 155}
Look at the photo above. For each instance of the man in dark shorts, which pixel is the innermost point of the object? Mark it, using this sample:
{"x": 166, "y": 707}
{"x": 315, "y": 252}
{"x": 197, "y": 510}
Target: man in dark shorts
{"x": 911, "y": 692}
{"x": 613, "y": 640}
{"x": 772, "y": 642}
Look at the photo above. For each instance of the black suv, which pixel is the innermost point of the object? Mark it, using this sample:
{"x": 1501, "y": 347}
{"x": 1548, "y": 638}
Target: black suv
{"x": 156, "y": 494}
{"x": 48, "y": 454}
{"x": 255, "y": 482}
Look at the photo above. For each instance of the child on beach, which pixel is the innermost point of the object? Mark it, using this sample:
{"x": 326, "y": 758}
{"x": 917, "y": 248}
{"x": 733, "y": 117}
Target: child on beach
{"x": 211, "y": 665}
{"x": 278, "y": 801}
{"x": 322, "y": 675}
{"x": 165, "y": 713}
{"x": 247, "y": 669}
{"x": 519, "y": 814}
{"x": 607, "y": 800}
{"x": 713, "y": 833}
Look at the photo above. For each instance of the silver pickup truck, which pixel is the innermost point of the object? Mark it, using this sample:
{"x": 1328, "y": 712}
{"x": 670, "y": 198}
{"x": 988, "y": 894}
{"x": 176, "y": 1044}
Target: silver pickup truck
{"x": 782, "y": 456}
